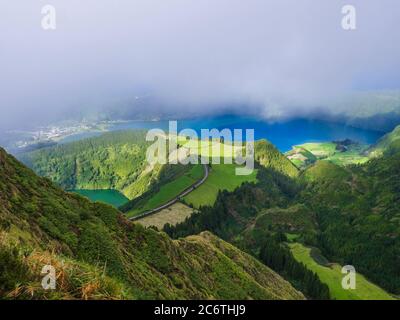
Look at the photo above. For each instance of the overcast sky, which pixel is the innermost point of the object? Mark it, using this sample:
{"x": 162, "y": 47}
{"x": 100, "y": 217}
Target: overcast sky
{"x": 277, "y": 57}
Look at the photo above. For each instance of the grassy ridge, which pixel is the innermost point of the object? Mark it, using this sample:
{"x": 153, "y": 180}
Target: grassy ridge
{"x": 332, "y": 276}
{"x": 221, "y": 176}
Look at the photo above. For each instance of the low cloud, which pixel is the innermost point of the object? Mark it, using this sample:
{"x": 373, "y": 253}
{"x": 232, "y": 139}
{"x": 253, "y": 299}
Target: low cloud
{"x": 189, "y": 57}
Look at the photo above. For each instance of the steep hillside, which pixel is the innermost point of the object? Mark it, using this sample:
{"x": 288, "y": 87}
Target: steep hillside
{"x": 388, "y": 143}
{"x": 268, "y": 156}
{"x": 97, "y": 253}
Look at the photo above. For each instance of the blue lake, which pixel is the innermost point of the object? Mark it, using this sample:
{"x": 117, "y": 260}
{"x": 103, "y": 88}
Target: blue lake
{"x": 282, "y": 134}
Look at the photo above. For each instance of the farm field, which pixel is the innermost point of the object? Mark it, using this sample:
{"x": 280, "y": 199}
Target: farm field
{"x": 221, "y": 177}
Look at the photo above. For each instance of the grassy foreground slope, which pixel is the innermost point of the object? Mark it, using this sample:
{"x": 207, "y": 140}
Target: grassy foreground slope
{"x": 98, "y": 254}
{"x": 331, "y": 275}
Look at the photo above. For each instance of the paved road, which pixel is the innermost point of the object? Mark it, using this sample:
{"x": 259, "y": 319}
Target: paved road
{"x": 177, "y": 198}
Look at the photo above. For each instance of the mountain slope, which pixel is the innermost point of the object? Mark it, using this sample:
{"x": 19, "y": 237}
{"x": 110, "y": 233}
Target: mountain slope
{"x": 97, "y": 253}
{"x": 388, "y": 143}
{"x": 268, "y": 156}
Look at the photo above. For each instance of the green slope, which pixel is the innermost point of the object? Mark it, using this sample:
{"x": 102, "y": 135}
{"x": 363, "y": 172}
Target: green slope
{"x": 98, "y": 254}
{"x": 388, "y": 143}
{"x": 221, "y": 177}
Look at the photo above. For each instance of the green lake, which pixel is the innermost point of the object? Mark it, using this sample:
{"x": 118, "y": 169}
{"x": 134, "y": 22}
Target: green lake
{"x": 109, "y": 196}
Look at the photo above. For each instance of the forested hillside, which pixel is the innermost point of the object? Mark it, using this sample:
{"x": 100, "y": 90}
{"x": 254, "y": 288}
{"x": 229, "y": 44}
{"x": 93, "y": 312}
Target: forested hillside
{"x": 267, "y": 155}
{"x": 358, "y": 214}
{"x": 388, "y": 143}
{"x": 115, "y": 160}
{"x": 99, "y": 254}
